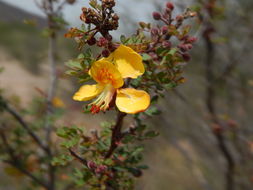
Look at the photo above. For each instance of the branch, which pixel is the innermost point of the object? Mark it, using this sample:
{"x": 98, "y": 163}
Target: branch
{"x": 15, "y": 161}
{"x": 20, "y": 120}
{"x": 210, "y": 104}
{"x": 79, "y": 158}
{"x": 116, "y": 134}
{"x": 53, "y": 79}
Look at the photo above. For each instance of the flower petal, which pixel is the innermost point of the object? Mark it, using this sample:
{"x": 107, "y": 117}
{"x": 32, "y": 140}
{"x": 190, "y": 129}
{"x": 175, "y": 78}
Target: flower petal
{"x": 104, "y": 72}
{"x": 130, "y": 100}
{"x": 88, "y": 92}
{"x": 128, "y": 62}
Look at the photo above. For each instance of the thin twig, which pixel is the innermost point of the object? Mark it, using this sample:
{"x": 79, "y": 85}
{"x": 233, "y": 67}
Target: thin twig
{"x": 210, "y": 103}
{"x": 53, "y": 71}
{"x": 79, "y": 158}
{"x": 15, "y": 161}
{"x": 21, "y": 121}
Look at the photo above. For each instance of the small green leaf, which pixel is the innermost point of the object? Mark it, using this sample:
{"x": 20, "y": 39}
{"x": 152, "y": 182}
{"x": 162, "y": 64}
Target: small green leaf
{"x": 123, "y": 39}
{"x": 152, "y": 111}
{"x": 151, "y": 134}
{"x": 146, "y": 57}
{"x": 74, "y": 64}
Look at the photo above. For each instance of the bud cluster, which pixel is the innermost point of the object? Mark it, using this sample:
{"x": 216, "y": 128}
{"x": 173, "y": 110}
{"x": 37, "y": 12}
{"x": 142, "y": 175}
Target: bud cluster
{"x": 98, "y": 169}
{"x": 104, "y": 20}
{"x": 161, "y": 34}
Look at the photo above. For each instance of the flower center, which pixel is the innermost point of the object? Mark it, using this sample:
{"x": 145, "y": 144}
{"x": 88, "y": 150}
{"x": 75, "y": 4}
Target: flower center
{"x": 103, "y": 100}
{"x": 105, "y": 76}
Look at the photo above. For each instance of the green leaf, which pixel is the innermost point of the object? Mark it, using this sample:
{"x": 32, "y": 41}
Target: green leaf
{"x": 123, "y": 39}
{"x": 170, "y": 85}
{"x": 74, "y": 64}
{"x": 146, "y": 57}
{"x": 172, "y": 51}
{"x": 70, "y": 143}
{"x": 152, "y": 111}
{"x": 61, "y": 160}
{"x": 151, "y": 134}
{"x": 93, "y": 3}
{"x": 143, "y": 167}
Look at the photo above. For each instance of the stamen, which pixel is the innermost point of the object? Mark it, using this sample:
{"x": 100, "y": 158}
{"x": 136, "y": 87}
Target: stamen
{"x": 103, "y": 101}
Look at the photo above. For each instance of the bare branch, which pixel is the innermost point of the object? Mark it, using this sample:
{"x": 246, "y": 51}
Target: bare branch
{"x": 15, "y": 162}
{"x": 21, "y": 121}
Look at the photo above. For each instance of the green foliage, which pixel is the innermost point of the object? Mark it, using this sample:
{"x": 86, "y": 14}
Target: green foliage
{"x": 78, "y": 67}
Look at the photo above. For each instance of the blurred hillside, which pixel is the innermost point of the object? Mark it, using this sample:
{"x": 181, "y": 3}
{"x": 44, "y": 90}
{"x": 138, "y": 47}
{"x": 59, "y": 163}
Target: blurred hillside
{"x": 9, "y": 14}
{"x": 21, "y": 31}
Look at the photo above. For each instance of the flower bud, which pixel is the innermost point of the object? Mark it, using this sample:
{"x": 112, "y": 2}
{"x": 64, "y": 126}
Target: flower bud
{"x": 102, "y": 42}
{"x": 170, "y": 5}
{"x": 157, "y": 15}
{"x": 105, "y": 53}
{"x": 154, "y": 31}
{"x": 166, "y": 44}
{"x": 179, "y": 18}
{"x": 188, "y": 46}
{"x": 91, "y": 165}
{"x": 92, "y": 41}
{"x": 184, "y": 47}
{"x": 191, "y": 40}
{"x": 115, "y": 17}
{"x": 101, "y": 169}
{"x": 164, "y": 30}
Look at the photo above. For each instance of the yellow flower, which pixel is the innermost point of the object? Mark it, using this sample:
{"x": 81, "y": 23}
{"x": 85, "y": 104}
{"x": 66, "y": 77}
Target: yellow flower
{"x": 109, "y": 74}
{"x": 57, "y": 102}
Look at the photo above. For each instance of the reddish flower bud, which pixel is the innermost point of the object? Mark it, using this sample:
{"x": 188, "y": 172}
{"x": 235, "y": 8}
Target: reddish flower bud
{"x": 182, "y": 47}
{"x": 105, "y": 53}
{"x": 170, "y": 5}
{"x": 166, "y": 44}
{"x": 102, "y": 42}
{"x": 188, "y": 46}
{"x": 157, "y": 15}
{"x": 179, "y": 18}
{"x": 92, "y": 41}
{"x": 91, "y": 165}
{"x": 154, "y": 31}
{"x": 191, "y": 40}
{"x": 164, "y": 30}
{"x": 101, "y": 169}
{"x": 185, "y": 47}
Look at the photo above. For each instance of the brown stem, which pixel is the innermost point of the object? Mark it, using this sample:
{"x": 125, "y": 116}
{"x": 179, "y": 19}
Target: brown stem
{"x": 79, "y": 158}
{"x": 210, "y": 103}
{"x": 23, "y": 124}
{"x": 116, "y": 134}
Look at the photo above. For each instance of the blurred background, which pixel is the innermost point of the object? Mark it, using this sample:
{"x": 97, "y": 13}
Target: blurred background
{"x": 187, "y": 155}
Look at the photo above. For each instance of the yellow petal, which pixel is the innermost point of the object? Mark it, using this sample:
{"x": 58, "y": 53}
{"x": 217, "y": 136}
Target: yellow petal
{"x": 130, "y": 100}
{"x": 88, "y": 92}
{"x": 128, "y": 62}
{"x": 104, "y": 72}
